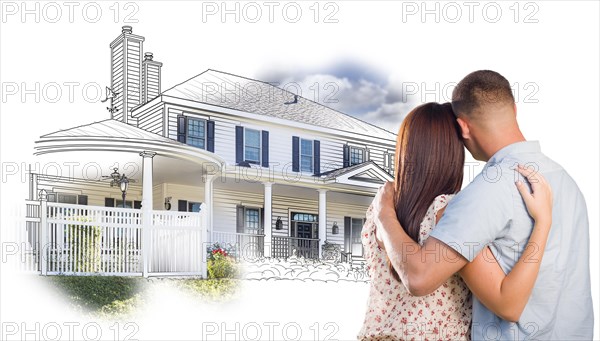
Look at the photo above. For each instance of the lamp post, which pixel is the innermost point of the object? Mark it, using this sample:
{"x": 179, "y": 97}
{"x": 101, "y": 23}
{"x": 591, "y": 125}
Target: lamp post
{"x": 124, "y": 184}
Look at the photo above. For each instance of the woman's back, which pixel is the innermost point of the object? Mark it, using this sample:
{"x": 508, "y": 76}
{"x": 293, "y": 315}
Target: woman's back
{"x": 394, "y": 314}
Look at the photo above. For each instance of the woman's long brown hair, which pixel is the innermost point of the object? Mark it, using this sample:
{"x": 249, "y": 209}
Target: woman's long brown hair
{"x": 430, "y": 158}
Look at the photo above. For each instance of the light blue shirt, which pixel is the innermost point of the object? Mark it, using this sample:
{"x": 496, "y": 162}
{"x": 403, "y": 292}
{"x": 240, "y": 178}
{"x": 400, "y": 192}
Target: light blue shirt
{"x": 491, "y": 211}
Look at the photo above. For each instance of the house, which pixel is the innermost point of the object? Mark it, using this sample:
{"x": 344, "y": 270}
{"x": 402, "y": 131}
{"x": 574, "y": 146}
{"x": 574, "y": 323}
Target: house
{"x": 257, "y": 166}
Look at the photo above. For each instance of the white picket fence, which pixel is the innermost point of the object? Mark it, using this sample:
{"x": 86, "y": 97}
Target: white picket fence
{"x": 75, "y": 239}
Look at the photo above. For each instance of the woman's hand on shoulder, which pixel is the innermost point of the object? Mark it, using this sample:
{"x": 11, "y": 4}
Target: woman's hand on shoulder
{"x": 539, "y": 199}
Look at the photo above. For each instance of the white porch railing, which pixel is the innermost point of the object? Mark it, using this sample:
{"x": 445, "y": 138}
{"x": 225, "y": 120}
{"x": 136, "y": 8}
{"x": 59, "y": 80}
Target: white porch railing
{"x": 244, "y": 246}
{"x": 76, "y": 239}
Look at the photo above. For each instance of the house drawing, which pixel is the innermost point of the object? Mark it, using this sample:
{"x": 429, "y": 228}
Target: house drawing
{"x": 217, "y": 158}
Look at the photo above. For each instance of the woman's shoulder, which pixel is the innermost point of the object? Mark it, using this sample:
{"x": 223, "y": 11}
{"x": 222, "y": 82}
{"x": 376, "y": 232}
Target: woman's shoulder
{"x": 441, "y": 201}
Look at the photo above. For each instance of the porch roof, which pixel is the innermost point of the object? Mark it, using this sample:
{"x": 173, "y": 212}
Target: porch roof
{"x": 367, "y": 174}
{"x": 113, "y": 135}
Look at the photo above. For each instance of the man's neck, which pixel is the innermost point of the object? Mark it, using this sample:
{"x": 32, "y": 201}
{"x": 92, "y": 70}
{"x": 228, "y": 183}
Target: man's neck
{"x": 503, "y": 140}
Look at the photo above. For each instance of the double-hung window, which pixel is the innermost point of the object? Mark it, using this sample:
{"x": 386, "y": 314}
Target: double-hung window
{"x": 306, "y": 156}
{"x": 252, "y": 220}
{"x": 357, "y": 155}
{"x": 196, "y": 132}
{"x": 252, "y": 145}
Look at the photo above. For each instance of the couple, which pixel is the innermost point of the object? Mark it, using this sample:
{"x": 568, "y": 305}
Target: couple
{"x": 429, "y": 246}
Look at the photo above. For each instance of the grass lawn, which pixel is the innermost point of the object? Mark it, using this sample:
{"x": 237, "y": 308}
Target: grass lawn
{"x": 114, "y": 297}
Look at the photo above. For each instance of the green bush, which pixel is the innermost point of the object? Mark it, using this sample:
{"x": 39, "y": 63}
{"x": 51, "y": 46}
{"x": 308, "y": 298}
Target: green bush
{"x": 85, "y": 244}
{"x": 109, "y": 296}
{"x": 221, "y": 266}
{"x": 218, "y": 290}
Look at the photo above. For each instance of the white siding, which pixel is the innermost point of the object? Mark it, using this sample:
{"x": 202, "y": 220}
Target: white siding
{"x": 225, "y": 203}
{"x": 151, "y": 119}
{"x": 280, "y": 139}
{"x": 95, "y": 190}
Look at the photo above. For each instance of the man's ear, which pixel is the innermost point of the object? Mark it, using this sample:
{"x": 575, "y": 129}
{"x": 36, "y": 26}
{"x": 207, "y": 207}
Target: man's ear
{"x": 515, "y": 108}
{"x": 464, "y": 128}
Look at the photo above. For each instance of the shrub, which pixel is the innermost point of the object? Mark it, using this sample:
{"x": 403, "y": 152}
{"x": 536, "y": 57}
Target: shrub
{"x": 220, "y": 265}
{"x": 85, "y": 243}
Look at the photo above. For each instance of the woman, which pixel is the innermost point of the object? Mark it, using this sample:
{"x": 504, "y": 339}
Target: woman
{"x": 429, "y": 172}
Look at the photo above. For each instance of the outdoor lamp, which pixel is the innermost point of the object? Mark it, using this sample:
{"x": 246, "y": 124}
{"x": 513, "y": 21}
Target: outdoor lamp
{"x": 335, "y": 229}
{"x": 278, "y": 224}
{"x": 124, "y": 184}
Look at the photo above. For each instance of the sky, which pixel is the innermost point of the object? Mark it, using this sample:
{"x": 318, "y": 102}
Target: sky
{"x": 374, "y": 60}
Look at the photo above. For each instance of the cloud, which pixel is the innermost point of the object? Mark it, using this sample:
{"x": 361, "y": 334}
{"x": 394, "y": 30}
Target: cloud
{"x": 352, "y": 88}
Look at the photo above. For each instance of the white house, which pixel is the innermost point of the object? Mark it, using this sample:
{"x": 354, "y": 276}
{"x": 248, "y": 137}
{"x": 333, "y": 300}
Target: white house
{"x": 265, "y": 167}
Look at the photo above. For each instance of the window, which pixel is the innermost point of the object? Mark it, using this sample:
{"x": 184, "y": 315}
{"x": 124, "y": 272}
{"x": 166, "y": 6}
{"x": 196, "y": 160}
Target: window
{"x": 252, "y": 145}
{"x": 196, "y": 133}
{"x": 251, "y": 220}
{"x": 67, "y": 198}
{"x": 306, "y": 217}
{"x": 74, "y": 199}
{"x": 306, "y": 156}
{"x": 388, "y": 162}
{"x": 112, "y": 202}
{"x": 194, "y": 206}
{"x": 357, "y": 155}
{"x": 128, "y": 203}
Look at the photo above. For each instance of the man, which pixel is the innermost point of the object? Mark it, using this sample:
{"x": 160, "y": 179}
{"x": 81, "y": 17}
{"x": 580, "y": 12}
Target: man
{"x": 489, "y": 213}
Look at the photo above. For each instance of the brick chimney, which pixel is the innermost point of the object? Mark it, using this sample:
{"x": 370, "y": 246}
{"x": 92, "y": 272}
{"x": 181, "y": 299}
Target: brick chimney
{"x": 126, "y": 74}
{"x": 150, "y": 77}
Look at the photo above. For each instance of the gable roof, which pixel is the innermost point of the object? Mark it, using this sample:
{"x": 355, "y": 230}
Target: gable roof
{"x": 253, "y": 96}
{"x": 367, "y": 174}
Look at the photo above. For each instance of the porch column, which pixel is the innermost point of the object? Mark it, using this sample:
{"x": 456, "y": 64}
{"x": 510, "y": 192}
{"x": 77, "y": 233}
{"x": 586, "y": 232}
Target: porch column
{"x": 208, "y": 200}
{"x": 322, "y": 219}
{"x": 268, "y": 218}
{"x": 147, "y": 206}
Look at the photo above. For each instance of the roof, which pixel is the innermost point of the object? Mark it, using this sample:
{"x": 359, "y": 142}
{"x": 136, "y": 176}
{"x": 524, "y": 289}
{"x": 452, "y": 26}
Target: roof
{"x": 249, "y": 95}
{"x": 109, "y": 128}
{"x": 365, "y": 172}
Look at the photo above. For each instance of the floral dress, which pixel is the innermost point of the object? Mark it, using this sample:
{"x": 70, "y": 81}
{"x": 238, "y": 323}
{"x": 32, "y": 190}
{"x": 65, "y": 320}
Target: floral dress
{"x": 394, "y": 314}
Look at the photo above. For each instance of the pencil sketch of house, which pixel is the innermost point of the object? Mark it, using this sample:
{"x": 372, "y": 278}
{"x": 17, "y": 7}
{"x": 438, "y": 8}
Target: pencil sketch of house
{"x": 216, "y": 158}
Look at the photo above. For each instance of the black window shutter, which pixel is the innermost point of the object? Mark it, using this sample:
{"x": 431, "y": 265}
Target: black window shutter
{"x": 210, "y": 136}
{"x": 262, "y": 219}
{"x": 137, "y": 204}
{"x": 295, "y": 154}
{"x": 181, "y": 128}
{"x": 347, "y": 234}
{"x": 182, "y": 205}
{"x": 317, "y": 155}
{"x": 109, "y": 202}
{"x": 82, "y": 200}
{"x": 346, "y": 156}
{"x": 239, "y": 219}
{"x": 265, "y": 148}
{"x": 239, "y": 144}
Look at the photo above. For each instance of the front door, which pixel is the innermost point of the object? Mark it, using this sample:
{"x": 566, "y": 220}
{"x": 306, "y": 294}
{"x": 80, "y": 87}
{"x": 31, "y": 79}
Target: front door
{"x": 304, "y": 230}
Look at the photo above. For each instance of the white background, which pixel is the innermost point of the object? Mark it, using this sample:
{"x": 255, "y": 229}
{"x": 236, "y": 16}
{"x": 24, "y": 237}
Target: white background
{"x": 373, "y": 51}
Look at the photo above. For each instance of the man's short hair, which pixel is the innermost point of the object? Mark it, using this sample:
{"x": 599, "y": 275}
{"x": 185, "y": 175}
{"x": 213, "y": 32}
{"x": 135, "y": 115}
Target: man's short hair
{"x": 479, "y": 89}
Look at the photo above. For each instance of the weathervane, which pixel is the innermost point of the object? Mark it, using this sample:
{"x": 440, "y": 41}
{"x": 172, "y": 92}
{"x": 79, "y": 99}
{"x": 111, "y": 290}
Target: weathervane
{"x": 110, "y": 94}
